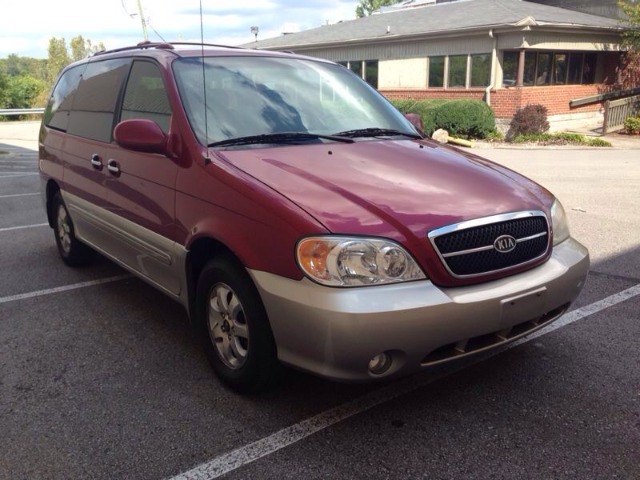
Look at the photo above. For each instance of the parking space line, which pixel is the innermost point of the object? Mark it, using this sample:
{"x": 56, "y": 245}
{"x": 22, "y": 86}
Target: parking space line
{"x": 15, "y": 175}
{"x": 288, "y": 436}
{"x": 7, "y": 229}
{"x": 65, "y": 288}
{"x": 19, "y": 195}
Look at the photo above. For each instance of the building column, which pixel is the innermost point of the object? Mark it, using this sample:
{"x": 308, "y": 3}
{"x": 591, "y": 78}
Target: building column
{"x": 520, "y": 76}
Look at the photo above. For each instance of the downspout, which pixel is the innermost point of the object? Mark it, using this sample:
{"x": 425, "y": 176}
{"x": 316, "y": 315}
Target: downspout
{"x": 494, "y": 57}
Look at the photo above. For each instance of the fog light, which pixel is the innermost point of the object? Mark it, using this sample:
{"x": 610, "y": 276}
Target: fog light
{"x": 380, "y": 363}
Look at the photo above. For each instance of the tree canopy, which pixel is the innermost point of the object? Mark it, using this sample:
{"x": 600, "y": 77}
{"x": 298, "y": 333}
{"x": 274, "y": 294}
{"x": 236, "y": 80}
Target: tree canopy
{"x": 367, "y": 7}
{"x": 25, "y": 82}
{"x": 631, "y": 37}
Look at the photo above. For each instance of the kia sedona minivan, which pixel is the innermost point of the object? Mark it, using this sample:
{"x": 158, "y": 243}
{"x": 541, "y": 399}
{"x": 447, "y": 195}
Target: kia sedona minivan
{"x": 298, "y": 217}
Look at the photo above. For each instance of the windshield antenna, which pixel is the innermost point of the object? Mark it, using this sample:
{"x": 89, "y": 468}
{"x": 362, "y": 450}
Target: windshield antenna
{"x": 204, "y": 92}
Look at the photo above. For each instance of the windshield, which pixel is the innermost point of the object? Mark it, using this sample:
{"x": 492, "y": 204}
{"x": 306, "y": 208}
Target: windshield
{"x": 254, "y": 96}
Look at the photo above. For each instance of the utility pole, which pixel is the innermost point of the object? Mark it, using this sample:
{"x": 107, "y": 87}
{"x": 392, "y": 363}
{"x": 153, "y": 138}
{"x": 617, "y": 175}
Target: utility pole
{"x": 143, "y": 21}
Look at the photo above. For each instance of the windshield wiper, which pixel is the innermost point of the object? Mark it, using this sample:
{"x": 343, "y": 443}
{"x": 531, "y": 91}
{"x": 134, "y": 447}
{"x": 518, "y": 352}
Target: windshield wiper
{"x": 376, "y": 132}
{"x": 283, "y": 137}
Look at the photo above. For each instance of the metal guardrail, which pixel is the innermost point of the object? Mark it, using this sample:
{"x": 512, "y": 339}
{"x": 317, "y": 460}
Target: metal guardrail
{"x": 21, "y": 111}
{"x": 617, "y": 111}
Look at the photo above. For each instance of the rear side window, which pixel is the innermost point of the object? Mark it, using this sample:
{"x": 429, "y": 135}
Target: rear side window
{"x": 56, "y": 115}
{"x": 96, "y": 99}
{"x": 145, "y": 96}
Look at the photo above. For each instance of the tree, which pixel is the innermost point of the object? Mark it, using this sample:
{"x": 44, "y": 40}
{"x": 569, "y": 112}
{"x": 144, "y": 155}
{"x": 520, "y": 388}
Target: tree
{"x": 23, "y": 91}
{"x": 81, "y": 48}
{"x": 58, "y": 58}
{"x": 631, "y": 37}
{"x": 367, "y": 7}
{"x": 630, "y": 71}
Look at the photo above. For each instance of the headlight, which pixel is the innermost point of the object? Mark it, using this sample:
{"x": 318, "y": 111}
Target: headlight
{"x": 560, "y": 223}
{"x": 351, "y": 262}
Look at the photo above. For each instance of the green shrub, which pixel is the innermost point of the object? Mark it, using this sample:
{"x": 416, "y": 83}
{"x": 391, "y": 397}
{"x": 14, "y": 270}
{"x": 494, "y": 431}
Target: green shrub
{"x": 632, "y": 125}
{"x": 529, "y": 120}
{"x": 465, "y": 118}
{"x": 424, "y": 108}
{"x": 461, "y": 118}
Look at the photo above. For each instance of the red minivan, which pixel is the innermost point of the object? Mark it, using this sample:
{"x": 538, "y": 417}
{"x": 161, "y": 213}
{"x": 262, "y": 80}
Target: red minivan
{"x": 296, "y": 214}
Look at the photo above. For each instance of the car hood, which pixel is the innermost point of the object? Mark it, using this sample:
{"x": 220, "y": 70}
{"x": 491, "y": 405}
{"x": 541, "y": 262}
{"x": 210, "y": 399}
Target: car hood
{"x": 396, "y": 189}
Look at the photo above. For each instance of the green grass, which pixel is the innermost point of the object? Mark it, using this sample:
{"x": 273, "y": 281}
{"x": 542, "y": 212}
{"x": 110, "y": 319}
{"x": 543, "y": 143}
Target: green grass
{"x": 561, "y": 139}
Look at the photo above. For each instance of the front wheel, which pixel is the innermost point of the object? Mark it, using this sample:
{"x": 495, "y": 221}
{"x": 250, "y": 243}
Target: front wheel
{"x": 72, "y": 251}
{"x": 234, "y": 327}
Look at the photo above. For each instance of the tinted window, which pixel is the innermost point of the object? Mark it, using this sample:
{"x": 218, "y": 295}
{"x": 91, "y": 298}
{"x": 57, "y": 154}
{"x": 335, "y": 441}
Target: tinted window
{"x": 436, "y": 72}
{"x": 457, "y": 71}
{"x": 371, "y": 73}
{"x": 96, "y": 99}
{"x": 510, "y": 68}
{"x": 145, "y": 96}
{"x": 480, "y": 69}
{"x": 56, "y": 114}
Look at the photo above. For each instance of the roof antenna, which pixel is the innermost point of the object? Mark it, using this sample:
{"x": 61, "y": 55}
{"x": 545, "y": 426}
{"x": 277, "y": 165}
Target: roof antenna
{"x": 204, "y": 92}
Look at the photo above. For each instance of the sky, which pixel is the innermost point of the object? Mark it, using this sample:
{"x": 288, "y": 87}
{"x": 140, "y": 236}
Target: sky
{"x": 27, "y": 25}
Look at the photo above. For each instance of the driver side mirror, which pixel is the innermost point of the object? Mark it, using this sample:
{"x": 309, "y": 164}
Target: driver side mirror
{"x": 141, "y": 135}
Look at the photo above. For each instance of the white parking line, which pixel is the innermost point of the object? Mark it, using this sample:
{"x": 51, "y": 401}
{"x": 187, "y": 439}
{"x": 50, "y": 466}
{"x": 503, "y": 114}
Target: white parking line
{"x": 293, "y": 434}
{"x": 6, "y": 229}
{"x": 19, "y": 195}
{"x": 65, "y": 288}
{"x": 15, "y": 175}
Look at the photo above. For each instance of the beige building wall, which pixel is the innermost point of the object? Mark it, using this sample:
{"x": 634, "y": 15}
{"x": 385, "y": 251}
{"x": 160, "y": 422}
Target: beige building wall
{"x": 407, "y": 73}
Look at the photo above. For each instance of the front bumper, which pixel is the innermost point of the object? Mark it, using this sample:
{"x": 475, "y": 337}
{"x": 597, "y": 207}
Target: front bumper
{"x": 335, "y": 332}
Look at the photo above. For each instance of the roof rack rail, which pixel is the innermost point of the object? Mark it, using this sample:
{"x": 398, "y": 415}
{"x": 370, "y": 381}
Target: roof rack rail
{"x": 162, "y": 46}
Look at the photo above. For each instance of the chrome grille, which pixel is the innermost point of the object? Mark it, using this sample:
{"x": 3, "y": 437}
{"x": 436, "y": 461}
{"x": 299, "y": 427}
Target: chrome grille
{"x": 467, "y": 249}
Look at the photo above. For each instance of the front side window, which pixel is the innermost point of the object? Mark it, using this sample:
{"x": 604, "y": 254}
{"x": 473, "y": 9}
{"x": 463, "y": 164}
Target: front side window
{"x": 145, "y": 96}
{"x": 96, "y": 99}
{"x": 247, "y": 96}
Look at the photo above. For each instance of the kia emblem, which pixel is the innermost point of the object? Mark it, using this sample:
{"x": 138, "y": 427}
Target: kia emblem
{"x": 505, "y": 244}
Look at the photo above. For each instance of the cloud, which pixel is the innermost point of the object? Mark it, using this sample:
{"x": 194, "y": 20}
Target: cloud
{"x": 27, "y": 25}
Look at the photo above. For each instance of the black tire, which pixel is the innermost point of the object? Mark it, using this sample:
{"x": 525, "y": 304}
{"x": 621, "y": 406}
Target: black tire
{"x": 73, "y": 252}
{"x": 234, "y": 328}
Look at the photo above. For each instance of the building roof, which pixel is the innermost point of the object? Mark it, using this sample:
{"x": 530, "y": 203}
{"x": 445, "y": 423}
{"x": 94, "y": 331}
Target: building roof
{"x": 440, "y": 19}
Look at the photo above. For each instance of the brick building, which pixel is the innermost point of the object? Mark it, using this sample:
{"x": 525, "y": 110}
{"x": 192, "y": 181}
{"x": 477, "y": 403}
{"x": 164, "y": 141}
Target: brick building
{"x": 509, "y": 53}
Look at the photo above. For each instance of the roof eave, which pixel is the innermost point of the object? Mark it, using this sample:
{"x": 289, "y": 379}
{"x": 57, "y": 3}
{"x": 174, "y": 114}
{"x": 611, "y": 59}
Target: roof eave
{"x": 496, "y": 28}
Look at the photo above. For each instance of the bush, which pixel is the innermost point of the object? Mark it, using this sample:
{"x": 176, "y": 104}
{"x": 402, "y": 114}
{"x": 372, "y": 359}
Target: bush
{"x": 529, "y": 120}
{"x": 424, "y": 108}
{"x": 632, "y": 125}
{"x": 461, "y": 118}
{"x": 466, "y": 118}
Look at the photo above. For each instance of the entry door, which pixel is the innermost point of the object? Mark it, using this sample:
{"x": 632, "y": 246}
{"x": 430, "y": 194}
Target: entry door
{"x": 141, "y": 187}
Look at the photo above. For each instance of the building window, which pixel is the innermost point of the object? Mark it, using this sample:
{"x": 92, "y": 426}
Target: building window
{"x": 509, "y": 69}
{"x": 560, "y": 64}
{"x": 575, "y": 67}
{"x": 589, "y": 68}
{"x": 480, "y": 70}
{"x": 436, "y": 72}
{"x": 550, "y": 68}
{"x": 371, "y": 72}
{"x": 457, "y": 71}
{"x": 356, "y": 67}
{"x": 367, "y": 70}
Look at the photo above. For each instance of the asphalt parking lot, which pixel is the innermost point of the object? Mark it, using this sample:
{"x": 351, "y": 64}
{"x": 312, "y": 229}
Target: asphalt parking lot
{"x": 101, "y": 376}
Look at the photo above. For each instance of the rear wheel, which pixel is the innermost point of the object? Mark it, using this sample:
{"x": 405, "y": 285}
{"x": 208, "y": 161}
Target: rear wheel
{"x": 234, "y": 327}
{"x": 72, "y": 251}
